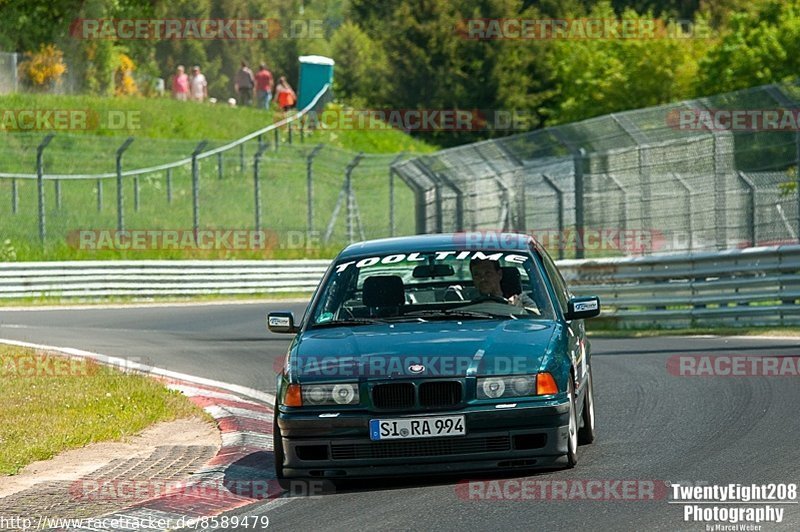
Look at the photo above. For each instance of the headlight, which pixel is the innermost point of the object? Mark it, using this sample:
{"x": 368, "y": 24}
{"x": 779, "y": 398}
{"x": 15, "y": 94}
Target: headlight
{"x": 513, "y": 386}
{"x": 330, "y": 394}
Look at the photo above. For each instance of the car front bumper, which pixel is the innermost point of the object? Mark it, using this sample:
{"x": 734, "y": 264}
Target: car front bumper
{"x": 522, "y": 436}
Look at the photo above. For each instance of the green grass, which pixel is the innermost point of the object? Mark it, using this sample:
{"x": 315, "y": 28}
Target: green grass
{"x": 169, "y": 131}
{"x": 78, "y": 404}
{"x": 165, "y": 130}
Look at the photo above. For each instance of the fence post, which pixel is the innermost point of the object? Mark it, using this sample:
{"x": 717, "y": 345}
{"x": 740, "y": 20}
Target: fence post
{"x": 391, "y": 191}
{"x": 14, "y": 197}
{"x": 720, "y": 203}
{"x": 57, "y": 186}
{"x": 560, "y": 200}
{"x": 241, "y": 157}
{"x": 120, "y": 211}
{"x": 196, "y": 188}
{"x": 797, "y": 179}
{"x": 14, "y": 69}
{"x": 277, "y": 138}
{"x": 99, "y": 195}
{"x": 624, "y": 196}
{"x": 219, "y": 165}
{"x": 136, "y": 193}
{"x": 349, "y": 195}
{"x": 751, "y": 215}
{"x": 579, "y": 223}
{"x": 169, "y": 185}
{"x": 689, "y": 211}
{"x": 310, "y": 188}
{"x": 40, "y": 183}
{"x": 257, "y": 185}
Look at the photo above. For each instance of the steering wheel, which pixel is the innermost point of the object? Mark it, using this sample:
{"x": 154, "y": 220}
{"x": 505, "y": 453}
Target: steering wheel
{"x": 485, "y": 297}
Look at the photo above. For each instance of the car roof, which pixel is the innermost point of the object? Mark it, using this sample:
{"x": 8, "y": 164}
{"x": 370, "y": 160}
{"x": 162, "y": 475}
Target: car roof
{"x": 477, "y": 240}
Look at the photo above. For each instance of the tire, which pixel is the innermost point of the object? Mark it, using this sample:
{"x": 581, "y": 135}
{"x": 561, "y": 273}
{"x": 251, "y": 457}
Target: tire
{"x": 586, "y": 433}
{"x": 572, "y": 433}
{"x": 277, "y": 444}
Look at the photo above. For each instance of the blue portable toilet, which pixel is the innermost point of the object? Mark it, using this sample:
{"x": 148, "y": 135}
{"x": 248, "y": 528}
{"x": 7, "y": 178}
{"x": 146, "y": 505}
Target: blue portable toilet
{"x": 315, "y": 72}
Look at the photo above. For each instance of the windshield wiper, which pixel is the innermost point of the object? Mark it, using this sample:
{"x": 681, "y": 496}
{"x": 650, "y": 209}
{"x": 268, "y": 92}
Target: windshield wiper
{"x": 459, "y": 314}
{"x": 348, "y": 322}
{"x": 405, "y": 317}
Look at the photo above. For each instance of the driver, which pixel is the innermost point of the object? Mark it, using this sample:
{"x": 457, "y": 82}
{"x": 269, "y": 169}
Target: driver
{"x": 486, "y": 274}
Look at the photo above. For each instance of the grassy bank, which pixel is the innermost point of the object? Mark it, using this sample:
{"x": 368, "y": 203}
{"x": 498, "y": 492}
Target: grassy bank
{"x": 166, "y": 131}
{"x": 49, "y": 404}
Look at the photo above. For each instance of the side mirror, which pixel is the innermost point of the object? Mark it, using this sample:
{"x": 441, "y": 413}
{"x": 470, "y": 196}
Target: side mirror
{"x": 281, "y": 322}
{"x": 580, "y": 308}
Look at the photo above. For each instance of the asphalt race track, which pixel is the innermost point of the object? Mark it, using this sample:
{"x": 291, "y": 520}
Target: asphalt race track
{"x": 653, "y": 426}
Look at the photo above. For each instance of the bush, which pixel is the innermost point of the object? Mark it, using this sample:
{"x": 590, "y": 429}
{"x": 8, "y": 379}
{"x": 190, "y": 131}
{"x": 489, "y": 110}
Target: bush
{"x": 42, "y": 70}
{"x": 124, "y": 84}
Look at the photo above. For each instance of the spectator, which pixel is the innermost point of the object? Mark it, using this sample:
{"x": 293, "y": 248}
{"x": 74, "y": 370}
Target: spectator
{"x": 264, "y": 86}
{"x": 199, "y": 85}
{"x": 285, "y": 95}
{"x": 245, "y": 84}
{"x": 180, "y": 85}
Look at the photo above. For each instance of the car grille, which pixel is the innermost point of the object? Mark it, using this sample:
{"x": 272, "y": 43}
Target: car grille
{"x": 397, "y": 395}
{"x": 446, "y": 393}
{"x": 404, "y": 449}
{"x": 427, "y": 394}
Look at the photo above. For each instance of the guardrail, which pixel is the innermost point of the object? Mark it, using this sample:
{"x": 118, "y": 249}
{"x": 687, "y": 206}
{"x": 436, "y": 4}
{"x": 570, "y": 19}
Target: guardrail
{"x": 750, "y": 286}
{"x": 754, "y": 286}
{"x": 155, "y": 278}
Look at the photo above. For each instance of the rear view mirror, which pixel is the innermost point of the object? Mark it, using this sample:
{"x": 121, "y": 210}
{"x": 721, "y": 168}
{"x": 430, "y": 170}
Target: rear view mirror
{"x": 425, "y": 271}
{"x": 281, "y": 322}
{"x": 580, "y": 308}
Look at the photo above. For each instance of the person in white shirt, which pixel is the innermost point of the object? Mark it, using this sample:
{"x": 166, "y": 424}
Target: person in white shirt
{"x": 198, "y": 86}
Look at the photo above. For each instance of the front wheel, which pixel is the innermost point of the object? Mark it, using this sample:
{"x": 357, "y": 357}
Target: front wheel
{"x": 277, "y": 445}
{"x": 572, "y": 436}
{"x": 586, "y": 433}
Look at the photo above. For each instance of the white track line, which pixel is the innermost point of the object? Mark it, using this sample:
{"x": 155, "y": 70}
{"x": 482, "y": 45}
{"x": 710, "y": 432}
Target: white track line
{"x": 130, "y": 365}
{"x": 154, "y": 304}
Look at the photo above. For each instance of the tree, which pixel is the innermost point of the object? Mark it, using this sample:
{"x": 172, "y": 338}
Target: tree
{"x": 596, "y": 76}
{"x": 760, "y": 47}
{"x": 361, "y": 67}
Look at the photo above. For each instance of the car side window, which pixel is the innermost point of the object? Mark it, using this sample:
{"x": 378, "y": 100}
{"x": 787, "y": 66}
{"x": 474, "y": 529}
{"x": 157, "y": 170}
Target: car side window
{"x": 560, "y": 287}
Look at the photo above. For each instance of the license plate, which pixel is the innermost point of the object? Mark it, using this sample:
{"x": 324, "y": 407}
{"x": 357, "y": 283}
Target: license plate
{"x": 416, "y": 427}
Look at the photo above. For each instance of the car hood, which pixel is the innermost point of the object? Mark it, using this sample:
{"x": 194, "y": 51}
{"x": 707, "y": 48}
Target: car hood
{"x": 432, "y": 349}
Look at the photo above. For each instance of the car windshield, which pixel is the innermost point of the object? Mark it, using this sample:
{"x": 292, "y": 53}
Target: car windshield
{"x": 432, "y": 285}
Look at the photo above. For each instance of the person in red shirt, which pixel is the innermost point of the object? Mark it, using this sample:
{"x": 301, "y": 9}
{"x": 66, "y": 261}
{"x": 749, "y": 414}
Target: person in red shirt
{"x": 180, "y": 85}
{"x": 264, "y": 86}
{"x": 285, "y": 95}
